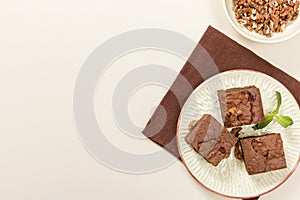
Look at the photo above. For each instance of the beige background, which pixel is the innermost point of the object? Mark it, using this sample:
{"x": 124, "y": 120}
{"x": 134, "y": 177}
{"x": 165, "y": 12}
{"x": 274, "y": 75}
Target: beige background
{"x": 43, "y": 45}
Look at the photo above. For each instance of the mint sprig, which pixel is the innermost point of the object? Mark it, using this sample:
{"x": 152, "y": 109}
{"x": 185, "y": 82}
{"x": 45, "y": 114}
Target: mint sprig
{"x": 268, "y": 119}
{"x": 278, "y": 98}
{"x": 284, "y": 121}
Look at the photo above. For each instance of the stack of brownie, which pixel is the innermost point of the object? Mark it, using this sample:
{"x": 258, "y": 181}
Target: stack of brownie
{"x": 239, "y": 106}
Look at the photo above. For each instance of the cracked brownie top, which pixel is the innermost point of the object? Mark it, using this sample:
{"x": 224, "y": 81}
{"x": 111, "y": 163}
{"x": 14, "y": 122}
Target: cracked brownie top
{"x": 241, "y": 106}
{"x": 263, "y": 153}
{"x": 211, "y": 139}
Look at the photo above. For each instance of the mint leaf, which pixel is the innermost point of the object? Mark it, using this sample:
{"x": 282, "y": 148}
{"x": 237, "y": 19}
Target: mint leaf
{"x": 268, "y": 119}
{"x": 278, "y": 97}
{"x": 284, "y": 121}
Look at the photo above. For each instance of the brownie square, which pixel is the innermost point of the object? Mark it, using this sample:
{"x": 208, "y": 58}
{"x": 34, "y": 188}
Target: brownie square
{"x": 241, "y": 106}
{"x": 211, "y": 139}
{"x": 263, "y": 153}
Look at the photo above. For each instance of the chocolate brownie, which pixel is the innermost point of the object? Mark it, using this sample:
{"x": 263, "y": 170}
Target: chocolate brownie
{"x": 241, "y": 106}
{"x": 263, "y": 153}
{"x": 211, "y": 139}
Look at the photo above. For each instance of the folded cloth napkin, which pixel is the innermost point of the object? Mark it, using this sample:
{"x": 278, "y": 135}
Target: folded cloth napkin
{"x": 214, "y": 53}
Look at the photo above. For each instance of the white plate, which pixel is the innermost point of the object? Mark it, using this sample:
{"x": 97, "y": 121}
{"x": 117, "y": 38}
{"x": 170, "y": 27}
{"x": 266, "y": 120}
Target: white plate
{"x": 230, "y": 177}
{"x": 292, "y": 29}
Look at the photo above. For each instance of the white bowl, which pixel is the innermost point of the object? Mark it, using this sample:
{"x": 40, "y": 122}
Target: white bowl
{"x": 292, "y": 29}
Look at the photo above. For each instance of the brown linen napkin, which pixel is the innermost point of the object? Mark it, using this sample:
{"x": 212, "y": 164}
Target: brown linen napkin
{"x": 215, "y": 53}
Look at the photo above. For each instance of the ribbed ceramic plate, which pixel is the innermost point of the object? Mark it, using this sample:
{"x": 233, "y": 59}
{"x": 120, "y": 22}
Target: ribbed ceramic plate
{"x": 230, "y": 177}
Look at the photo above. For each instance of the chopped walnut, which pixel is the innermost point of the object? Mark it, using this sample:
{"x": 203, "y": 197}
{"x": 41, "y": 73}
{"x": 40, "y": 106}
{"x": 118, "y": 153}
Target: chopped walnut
{"x": 192, "y": 124}
{"x": 237, "y": 149}
{"x": 266, "y": 17}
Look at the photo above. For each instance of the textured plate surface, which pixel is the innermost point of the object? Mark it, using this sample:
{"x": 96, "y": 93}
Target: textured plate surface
{"x": 230, "y": 177}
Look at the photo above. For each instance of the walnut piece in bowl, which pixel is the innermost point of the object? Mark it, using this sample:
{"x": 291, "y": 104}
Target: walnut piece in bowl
{"x": 266, "y": 21}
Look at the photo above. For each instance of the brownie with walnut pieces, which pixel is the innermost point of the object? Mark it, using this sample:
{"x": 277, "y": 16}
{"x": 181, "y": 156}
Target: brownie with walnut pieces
{"x": 241, "y": 106}
{"x": 263, "y": 153}
{"x": 211, "y": 139}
